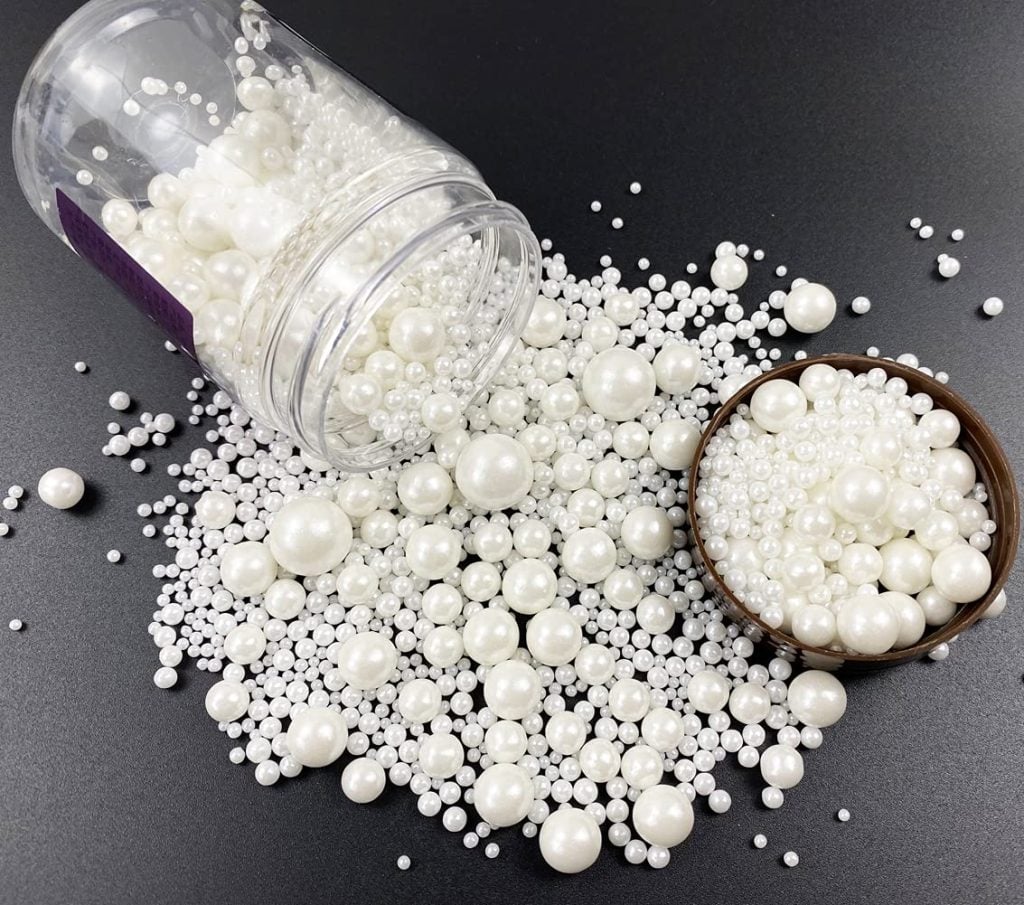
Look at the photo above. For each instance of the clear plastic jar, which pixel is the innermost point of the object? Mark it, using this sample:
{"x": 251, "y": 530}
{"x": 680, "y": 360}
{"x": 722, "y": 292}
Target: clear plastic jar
{"x": 343, "y": 273}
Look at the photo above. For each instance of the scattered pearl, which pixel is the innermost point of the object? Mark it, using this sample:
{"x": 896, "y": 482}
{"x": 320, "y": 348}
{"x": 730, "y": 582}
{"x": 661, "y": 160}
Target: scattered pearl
{"x": 781, "y": 270}
{"x": 843, "y": 815}
{"x": 492, "y": 850}
{"x": 915, "y": 222}
{"x": 956, "y": 235}
{"x": 81, "y": 367}
{"x": 120, "y": 401}
{"x": 10, "y": 503}
{"x": 948, "y": 266}
{"x": 165, "y": 677}
{"x": 760, "y": 841}
{"x": 993, "y": 306}
{"x": 925, "y": 232}
{"x": 617, "y": 223}
{"x": 138, "y": 465}
{"x": 791, "y": 859}
{"x": 61, "y": 488}
{"x": 643, "y": 264}
{"x": 113, "y": 556}
{"x": 861, "y": 305}
{"x": 15, "y": 625}
{"x": 596, "y": 206}
{"x": 634, "y": 188}
{"x": 404, "y": 862}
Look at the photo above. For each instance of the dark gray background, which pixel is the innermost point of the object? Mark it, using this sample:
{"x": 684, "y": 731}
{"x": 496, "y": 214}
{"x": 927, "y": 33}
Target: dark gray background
{"x": 814, "y": 130}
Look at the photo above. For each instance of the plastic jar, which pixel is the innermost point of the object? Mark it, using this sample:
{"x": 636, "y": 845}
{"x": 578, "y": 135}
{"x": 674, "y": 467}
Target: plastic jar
{"x": 343, "y": 273}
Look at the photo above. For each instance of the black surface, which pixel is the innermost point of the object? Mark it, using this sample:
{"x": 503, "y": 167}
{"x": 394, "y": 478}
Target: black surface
{"x": 813, "y": 130}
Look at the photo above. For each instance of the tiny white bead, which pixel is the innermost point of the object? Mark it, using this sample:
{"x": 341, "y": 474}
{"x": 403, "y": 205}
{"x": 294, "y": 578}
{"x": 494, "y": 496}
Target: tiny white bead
{"x": 120, "y": 401}
{"x": 956, "y": 235}
{"x": 596, "y": 206}
{"x": 993, "y": 306}
{"x": 617, "y": 223}
{"x": 861, "y": 305}
{"x": 404, "y": 862}
{"x": 81, "y": 367}
{"x": 138, "y": 465}
{"x": 113, "y": 556}
{"x": 843, "y": 816}
{"x": 925, "y": 232}
{"x": 781, "y": 270}
{"x": 15, "y": 625}
{"x": 16, "y": 491}
{"x": 915, "y": 222}
{"x": 791, "y": 859}
{"x": 948, "y": 266}
{"x": 634, "y": 188}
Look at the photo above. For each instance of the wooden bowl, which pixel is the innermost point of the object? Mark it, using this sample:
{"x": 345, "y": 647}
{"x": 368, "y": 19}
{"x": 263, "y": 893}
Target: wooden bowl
{"x": 976, "y": 439}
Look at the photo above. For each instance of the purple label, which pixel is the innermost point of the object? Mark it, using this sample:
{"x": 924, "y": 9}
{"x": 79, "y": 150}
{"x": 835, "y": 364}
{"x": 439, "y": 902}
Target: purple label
{"x": 93, "y": 243}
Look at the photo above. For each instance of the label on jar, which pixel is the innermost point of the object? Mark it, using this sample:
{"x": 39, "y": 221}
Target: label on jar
{"x": 94, "y": 244}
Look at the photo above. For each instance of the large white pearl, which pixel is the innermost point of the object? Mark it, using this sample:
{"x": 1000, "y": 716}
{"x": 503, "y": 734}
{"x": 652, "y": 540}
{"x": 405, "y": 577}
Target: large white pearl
{"x": 663, "y": 815}
{"x": 673, "y": 444}
{"x": 443, "y": 646}
{"x": 441, "y": 755}
{"x": 815, "y": 625}
{"x": 505, "y": 742}
{"x": 363, "y": 780}
{"x": 619, "y": 383}
{"x": 310, "y": 535}
{"x": 419, "y": 701}
{"x": 599, "y": 760}
{"x": 261, "y": 221}
{"x": 433, "y": 551}
{"x": 570, "y": 840}
{"x": 961, "y": 573}
{"x": 417, "y": 334}
{"x": 566, "y": 732}
{"x": 941, "y": 427}
{"x": 782, "y": 766}
{"x": 809, "y": 308}
{"x": 906, "y": 566}
{"x": 907, "y": 505}
{"x": 442, "y": 604}
{"x": 646, "y": 532}
{"x": 284, "y": 599}
{"x": 953, "y": 468}
{"x": 317, "y": 737}
{"x": 494, "y": 472}
{"x": 589, "y": 556}
{"x": 629, "y": 700}
{"x": 553, "y": 636}
{"x": 777, "y": 404}
{"x": 367, "y": 660}
{"x": 820, "y": 381}
{"x": 677, "y": 368}
{"x": 910, "y": 615}
{"x": 642, "y": 767}
{"x": 546, "y": 325}
{"x": 708, "y": 691}
{"x": 61, "y": 488}
{"x": 425, "y": 488}
{"x": 245, "y": 644}
{"x": 503, "y": 794}
{"x": 247, "y": 568}
{"x": 512, "y": 689}
{"x": 729, "y": 272}
{"x": 227, "y": 701}
{"x": 662, "y": 729}
{"x": 749, "y": 703}
{"x": 859, "y": 493}
{"x": 938, "y": 610}
{"x": 867, "y": 625}
{"x": 529, "y": 586}
{"x": 203, "y": 223}
{"x": 816, "y": 698}
{"x": 490, "y": 636}
{"x": 594, "y": 664}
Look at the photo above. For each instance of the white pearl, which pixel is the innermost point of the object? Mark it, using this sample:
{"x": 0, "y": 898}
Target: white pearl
{"x": 570, "y": 840}
{"x": 490, "y": 636}
{"x": 907, "y": 505}
{"x": 594, "y": 664}
{"x": 317, "y": 737}
{"x": 777, "y": 404}
{"x": 820, "y": 381}
{"x": 906, "y": 566}
{"x": 512, "y": 689}
{"x": 953, "y": 468}
{"x": 642, "y": 767}
{"x": 494, "y": 472}
{"x": 441, "y": 755}
{"x": 367, "y": 660}
{"x": 442, "y": 604}
{"x": 655, "y": 614}
{"x": 867, "y": 625}
{"x": 417, "y": 334}
{"x": 814, "y": 625}
{"x": 255, "y": 93}
{"x": 529, "y": 586}
{"x": 816, "y": 698}
{"x": 165, "y": 677}
{"x": 505, "y": 742}
{"x": 443, "y": 646}
{"x": 284, "y": 599}
{"x": 708, "y": 691}
{"x": 566, "y": 732}
{"x": 663, "y": 815}
{"x": 227, "y": 701}
{"x": 553, "y": 636}
{"x": 589, "y": 556}
{"x": 310, "y": 536}
{"x": 119, "y": 218}
{"x": 860, "y": 564}
{"x": 61, "y": 488}
{"x": 859, "y": 493}
{"x": 646, "y": 532}
{"x": 599, "y": 760}
{"x": 425, "y": 488}
{"x": 782, "y": 766}
{"x": 546, "y": 325}
{"x": 673, "y": 444}
{"x": 996, "y": 607}
{"x": 247, "y": 568}
{"x": 245, "y": 644}
{"x": 629, "y": 700}
{"x": 433, "y": 551}
{"x": 503, "y": 794}
{"x": 993, "y": 306}
{"x": 729, "y": 272}
{"x": 419, "y": 701}
{"x": 662, "y": 728}
{"x": 949, "y": 267}
{"x": 749, "y": 703}
{"x": 961, "y": 573}
{"x": 911, "y": 617}
{"x": 619, "y": 384}
{"x": 941, "y": 427}
{"x": 809, "y": 308}
{"x": 363, "y": 780}
{"x": 677, "y": 367}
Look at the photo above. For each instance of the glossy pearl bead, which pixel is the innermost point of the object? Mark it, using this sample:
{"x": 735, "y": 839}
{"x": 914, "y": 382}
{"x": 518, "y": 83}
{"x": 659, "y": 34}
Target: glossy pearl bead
{"x": 61, "y": 488}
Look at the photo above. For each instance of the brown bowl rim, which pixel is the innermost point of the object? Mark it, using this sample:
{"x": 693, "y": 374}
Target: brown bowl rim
{"x": 973, "y": 425}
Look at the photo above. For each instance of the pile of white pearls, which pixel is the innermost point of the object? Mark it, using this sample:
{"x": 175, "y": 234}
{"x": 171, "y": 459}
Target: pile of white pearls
{"x": 512, "y": 624}
{"x": 840, "y": 510}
